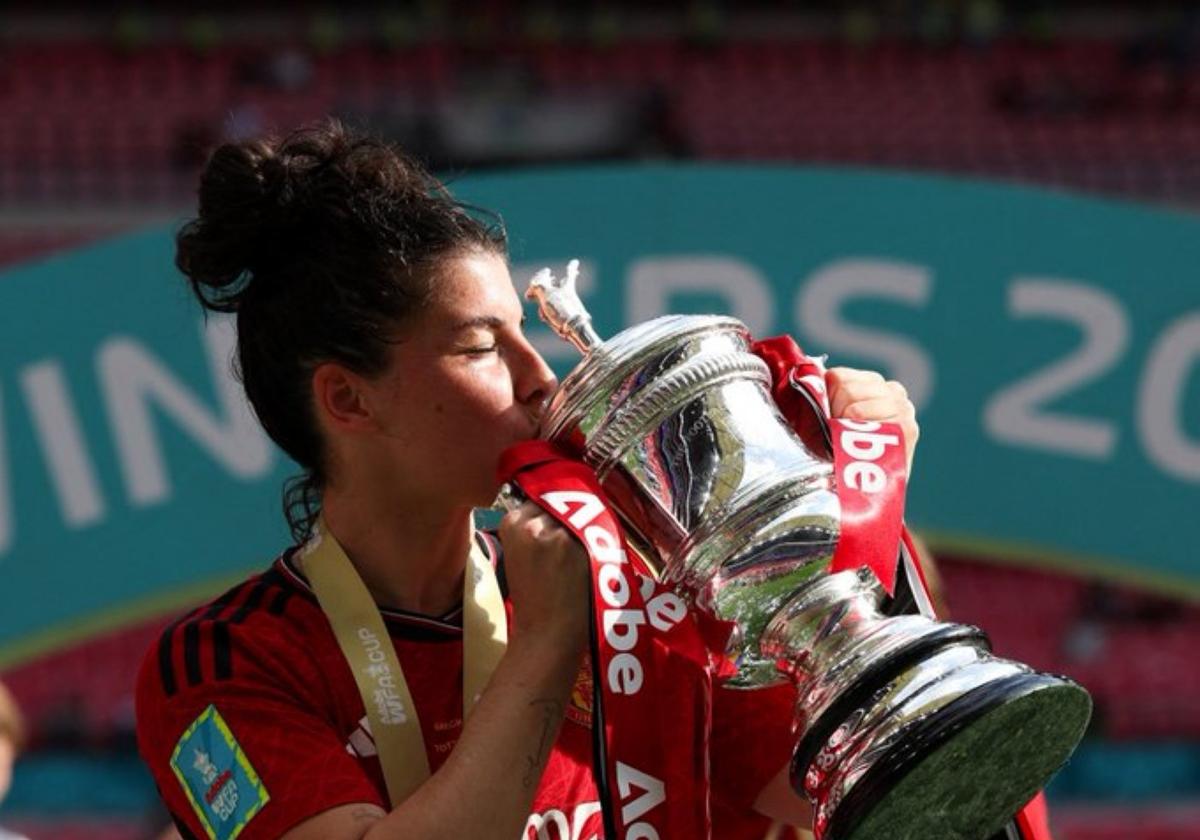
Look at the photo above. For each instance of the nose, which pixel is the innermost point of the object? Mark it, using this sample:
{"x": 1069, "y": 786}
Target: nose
{"x": 534, "y": 381}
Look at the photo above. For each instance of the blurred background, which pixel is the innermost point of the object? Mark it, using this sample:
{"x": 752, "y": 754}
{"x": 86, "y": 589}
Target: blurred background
{"x": 1052, "y": 153}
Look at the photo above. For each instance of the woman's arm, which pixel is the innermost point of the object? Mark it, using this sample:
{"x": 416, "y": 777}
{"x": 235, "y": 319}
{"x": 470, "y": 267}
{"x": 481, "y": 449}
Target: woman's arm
{"x": 486, "y": 786}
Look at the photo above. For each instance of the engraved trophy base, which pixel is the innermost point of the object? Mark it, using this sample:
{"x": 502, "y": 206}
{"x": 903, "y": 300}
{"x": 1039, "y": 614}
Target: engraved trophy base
{"x": 963, "y": 772}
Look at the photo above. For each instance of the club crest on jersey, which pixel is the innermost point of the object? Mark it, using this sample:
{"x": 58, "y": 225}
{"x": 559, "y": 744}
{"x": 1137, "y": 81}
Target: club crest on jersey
{"x": 217, "y": 777}
{"x": 579, "y": 710}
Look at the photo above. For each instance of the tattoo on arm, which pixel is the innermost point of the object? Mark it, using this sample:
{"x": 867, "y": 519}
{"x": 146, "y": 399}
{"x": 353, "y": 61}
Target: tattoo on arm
{"x": 552, "y": 712}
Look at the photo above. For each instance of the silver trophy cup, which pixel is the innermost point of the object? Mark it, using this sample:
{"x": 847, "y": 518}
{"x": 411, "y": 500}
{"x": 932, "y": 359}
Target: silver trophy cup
{"x": 906, "y": 728}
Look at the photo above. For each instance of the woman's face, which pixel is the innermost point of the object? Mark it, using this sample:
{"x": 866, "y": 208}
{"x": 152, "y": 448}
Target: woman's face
{"x": 462, "y": 385}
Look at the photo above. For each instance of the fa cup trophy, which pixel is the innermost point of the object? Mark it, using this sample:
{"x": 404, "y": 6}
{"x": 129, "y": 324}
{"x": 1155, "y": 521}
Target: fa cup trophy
{"x": 906, "y": 728}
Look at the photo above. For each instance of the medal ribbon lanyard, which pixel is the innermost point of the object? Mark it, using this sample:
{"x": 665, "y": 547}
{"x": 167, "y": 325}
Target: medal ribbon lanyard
{"x": 364, "y": 640}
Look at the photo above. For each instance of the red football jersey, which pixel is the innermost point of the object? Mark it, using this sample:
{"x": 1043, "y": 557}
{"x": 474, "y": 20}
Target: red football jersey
{"x": 251, "y": 721}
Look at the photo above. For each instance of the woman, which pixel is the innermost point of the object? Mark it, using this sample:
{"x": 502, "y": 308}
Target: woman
{"x": 380, "y": 344}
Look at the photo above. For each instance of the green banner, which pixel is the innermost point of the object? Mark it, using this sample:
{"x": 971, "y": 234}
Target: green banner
{"x": 1051, "y": 343}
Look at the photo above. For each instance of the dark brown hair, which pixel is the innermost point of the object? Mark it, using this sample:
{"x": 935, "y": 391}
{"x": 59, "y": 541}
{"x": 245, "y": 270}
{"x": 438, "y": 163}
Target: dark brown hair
{"x": 322, "y": 243}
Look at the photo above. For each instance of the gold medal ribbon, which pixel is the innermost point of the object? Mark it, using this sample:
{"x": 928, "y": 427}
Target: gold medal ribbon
{"x": 364, "y": 640}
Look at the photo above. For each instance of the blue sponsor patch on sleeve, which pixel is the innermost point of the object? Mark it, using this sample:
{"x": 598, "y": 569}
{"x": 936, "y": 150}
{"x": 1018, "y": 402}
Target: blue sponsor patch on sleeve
{"x": 217, "y": 777}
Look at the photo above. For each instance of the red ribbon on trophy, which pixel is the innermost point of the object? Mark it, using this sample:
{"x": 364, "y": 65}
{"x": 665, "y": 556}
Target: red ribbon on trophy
{"x": 872, "y": 522}
{"x": 869, "y": 460}
{"x": 653, "y": 662}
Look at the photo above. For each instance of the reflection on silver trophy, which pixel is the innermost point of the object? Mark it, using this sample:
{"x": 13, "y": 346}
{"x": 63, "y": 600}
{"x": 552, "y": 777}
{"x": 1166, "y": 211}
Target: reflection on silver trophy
{"x": 906, "y": 727}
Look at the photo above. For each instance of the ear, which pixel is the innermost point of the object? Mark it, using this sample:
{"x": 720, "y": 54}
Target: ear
{"x": 341, "y": 401}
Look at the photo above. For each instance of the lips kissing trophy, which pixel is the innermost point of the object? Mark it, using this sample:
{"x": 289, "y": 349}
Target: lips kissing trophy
{"x": 905, "y": 727}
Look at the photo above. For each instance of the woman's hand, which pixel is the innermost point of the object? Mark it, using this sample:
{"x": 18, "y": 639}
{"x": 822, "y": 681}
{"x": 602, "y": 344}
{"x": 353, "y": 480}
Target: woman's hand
{"x": 547, "y": 572}
{"x": 866, "y": 395}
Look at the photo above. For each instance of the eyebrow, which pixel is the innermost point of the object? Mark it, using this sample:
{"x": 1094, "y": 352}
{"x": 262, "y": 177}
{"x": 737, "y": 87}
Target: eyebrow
{"x": 488, "y": 321}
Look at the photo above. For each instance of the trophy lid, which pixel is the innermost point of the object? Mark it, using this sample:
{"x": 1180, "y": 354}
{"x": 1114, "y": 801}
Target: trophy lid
{"x": 623, "y": 364}
{"x": 626, "y": 362}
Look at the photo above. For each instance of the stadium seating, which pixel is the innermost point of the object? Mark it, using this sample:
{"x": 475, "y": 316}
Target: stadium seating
{"x": 83, "y": 695}
{"x": 1078, "y": 114}
{"x": 84, "y": 828}
{"x": 1139, "y": 669}
{"x": 1158, "y": 821}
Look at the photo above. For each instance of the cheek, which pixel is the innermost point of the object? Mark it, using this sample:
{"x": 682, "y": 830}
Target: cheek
{"x": 478, "y": 394}
{"x": 456, "y": 411}
{"x": 476, "y": 424}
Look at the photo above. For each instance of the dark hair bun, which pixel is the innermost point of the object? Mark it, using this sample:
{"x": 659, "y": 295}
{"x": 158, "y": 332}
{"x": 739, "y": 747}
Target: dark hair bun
{"x": 241, "y": 190}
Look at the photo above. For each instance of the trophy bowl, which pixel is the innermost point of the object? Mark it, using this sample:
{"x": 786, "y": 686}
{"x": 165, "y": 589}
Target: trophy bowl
{"x": 905, "y": 727}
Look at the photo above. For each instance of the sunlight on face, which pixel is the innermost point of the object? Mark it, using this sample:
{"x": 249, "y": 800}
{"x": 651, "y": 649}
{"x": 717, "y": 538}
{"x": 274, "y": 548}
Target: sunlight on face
{"x": 463, "y": 385}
